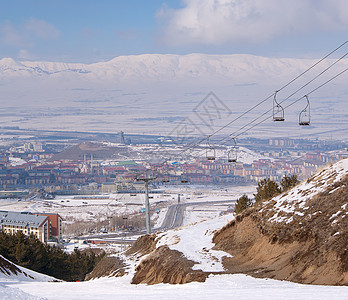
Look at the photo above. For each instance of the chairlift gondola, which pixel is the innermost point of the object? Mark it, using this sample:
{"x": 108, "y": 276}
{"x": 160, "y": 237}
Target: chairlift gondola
{"x": 232, "y": 153}
{"x": 165, "y": 175}
{"x": 278, "y": 110}
{"x": 210, "y": 151}
{"x": 304, "y": 118}
{"x": 183, "y": 178}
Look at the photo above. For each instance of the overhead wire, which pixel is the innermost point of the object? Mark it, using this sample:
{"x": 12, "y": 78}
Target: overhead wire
{"x": 299, "y": 89}
{"x": 235, "y": 134}
{"x": 292, "y": 103}
{"x": 196, "y": 143}
{"x": 191, "y": 147}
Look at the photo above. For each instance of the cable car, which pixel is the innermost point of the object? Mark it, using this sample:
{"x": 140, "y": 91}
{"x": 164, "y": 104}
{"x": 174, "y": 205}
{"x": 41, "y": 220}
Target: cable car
{"x": 278, "y": 110}
{"x": 165, "y": 179}
{"x": 210, "y": 151}
{"x": 232, "y": 153}
{"x": 304, "y": 118}
{"x": 165, "y": 175}
{"x": 183, "y": 178}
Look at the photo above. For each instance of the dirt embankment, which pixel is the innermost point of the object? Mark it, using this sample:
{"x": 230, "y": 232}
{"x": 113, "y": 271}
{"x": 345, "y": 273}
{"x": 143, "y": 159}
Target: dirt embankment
{"x": 108, "y": 266}
{"x": 143, "y": 245}
{"x": 162, "y": 265}
{"x": 167, "y": 266}
{"x": 310, "y": 248}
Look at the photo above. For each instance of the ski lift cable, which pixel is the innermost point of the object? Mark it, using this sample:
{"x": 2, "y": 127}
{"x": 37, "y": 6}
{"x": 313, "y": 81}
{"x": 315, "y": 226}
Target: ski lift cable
{"x": 235, "y": 134}
{"x": 195, "y": 144}
{"x": 299, "y": 89}
{"x": 228, "y": 138}
{"x": 280, "y": 89}
{"x": 292, "y": 103}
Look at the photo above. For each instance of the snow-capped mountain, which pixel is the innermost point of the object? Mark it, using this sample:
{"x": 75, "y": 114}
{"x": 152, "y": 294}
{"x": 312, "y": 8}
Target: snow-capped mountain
{"x": 163, "y": 67}
{"x": 152, "y": 92}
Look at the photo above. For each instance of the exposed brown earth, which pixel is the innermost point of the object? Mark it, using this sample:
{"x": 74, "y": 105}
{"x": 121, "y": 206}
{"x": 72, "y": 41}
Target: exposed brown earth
{"x": 108, "y": 266}
{"x": 167, "y": 266}
{"x": 143, "y": 245}
{"x": 300, "y": 238}
{"x": 312, "y": 248}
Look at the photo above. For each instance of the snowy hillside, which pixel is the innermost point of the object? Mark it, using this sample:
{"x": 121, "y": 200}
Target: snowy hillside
{"x": 153, "y": 93}
{"x": 300, "y": 235}
{"x": 295, "y": 202}
{"x": 309, "y": 248}
{"x": 11, "y": 272}
{"x": 164, "y": 67}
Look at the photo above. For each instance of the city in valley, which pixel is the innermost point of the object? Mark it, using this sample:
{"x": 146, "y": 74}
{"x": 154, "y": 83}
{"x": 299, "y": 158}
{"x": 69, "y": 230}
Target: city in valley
{"x": 96, "y": 188}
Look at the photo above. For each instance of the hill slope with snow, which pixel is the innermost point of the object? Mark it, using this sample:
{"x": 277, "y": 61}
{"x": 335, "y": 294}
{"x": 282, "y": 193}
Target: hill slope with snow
{"x": 162, "y": 67}
{"x": 300, "y": 235}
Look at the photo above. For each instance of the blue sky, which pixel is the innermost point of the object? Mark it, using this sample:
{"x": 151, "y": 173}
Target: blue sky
{"x": 90, "y": 31}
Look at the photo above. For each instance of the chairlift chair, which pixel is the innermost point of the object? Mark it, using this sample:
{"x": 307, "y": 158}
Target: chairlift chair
{"x": 304, "y": 118}
{"x": 165, "y": 176}
{"x": 165, "y": 179}
{"x": 278, "y": 110}
{"x": 183, "y": 178}
{"x": 232, "y": 153}
{"x": 210, "y": 151}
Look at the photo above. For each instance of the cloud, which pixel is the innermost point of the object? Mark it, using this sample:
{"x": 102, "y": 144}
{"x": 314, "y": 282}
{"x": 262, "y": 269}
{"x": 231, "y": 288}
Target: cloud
{"x": 216, "y": 22}
{"x": 11, "y": 36}
{"x": 25, "y": 34}
{"x": 41, "y": 29}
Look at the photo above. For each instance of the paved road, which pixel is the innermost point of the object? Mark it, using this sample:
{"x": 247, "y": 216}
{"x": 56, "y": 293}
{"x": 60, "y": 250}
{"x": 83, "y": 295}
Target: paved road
{"x": 175, "y": 214}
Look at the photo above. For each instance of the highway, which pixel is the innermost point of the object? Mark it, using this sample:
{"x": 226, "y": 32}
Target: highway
{"x": 175, "y": 213}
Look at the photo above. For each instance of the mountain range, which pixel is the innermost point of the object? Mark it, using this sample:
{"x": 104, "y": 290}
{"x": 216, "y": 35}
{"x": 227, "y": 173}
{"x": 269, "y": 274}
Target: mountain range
{"x": 147, "y": 93}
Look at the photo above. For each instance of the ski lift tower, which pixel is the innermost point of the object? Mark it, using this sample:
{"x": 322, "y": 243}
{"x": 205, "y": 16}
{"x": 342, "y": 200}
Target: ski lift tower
{"x": 146, "y": 177}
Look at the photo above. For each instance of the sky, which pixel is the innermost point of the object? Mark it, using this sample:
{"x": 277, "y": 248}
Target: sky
{"x": 90, "y": 30}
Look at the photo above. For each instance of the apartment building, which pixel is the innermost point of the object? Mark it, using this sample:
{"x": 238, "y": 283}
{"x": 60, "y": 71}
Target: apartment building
{"x": 11, "y": 222}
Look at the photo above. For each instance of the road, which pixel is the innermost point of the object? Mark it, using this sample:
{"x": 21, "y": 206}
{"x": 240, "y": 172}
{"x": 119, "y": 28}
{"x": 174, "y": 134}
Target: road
{"x": 175, "y": 213}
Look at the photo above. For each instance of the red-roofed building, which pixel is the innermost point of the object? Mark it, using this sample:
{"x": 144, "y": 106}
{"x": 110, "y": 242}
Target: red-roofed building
{"x": 55, "y": 224}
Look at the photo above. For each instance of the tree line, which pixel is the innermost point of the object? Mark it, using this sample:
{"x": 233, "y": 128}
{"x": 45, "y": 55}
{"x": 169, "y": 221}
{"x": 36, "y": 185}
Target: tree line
{"x": 266, "y": 189}
{"x": 29, "y": 252}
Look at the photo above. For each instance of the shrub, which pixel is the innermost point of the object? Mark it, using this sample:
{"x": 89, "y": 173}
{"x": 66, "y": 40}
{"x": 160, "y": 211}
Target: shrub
{"x": 288, "y": 182}
{"x": 266, "y": 189}
{"x": 242, "y": 203}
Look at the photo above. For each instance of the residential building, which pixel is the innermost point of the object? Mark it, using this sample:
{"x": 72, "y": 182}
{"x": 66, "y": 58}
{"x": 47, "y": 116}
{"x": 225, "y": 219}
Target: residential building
{"x": 55, "y": 224}
{"x": 11, "y": 222}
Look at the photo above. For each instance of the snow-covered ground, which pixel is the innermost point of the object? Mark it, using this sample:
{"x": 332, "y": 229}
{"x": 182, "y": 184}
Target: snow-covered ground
{"x": 88, "y": 208}
{"x": 297, "y": 197}
{"x": 196, "y": 243}
{"x": 236, "y": 286}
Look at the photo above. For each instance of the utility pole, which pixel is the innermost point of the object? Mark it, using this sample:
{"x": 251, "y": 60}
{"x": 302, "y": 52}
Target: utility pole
{"x": 146, "y": 180}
